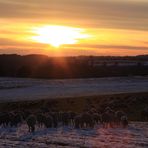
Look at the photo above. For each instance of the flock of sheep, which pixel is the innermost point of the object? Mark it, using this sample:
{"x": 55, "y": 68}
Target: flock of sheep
{"x": 53, "y": 119}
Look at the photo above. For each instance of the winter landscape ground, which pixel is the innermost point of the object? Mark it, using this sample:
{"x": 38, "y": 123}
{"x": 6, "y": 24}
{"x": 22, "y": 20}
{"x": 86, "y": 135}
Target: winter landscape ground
{"x": 135, "y": 136}
{"x": 14, "y": 89}
{"x": 18, "y": 89}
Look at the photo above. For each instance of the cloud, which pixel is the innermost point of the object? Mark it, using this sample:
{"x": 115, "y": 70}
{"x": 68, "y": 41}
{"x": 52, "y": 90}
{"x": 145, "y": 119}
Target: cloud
{"x": 6, "y": 42}
{"x": 12, "y": 47}
{"x": 100, "y": 46}
{"x": 93, "y": 13}
{"x": 11, "y": 42}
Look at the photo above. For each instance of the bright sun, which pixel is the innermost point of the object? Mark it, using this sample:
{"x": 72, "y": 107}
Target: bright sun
{"x": 58, "y": 35}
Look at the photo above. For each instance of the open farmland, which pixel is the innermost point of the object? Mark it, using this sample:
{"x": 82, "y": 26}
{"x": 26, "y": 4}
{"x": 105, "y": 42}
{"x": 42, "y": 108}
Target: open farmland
{"x": 20, "y": 89}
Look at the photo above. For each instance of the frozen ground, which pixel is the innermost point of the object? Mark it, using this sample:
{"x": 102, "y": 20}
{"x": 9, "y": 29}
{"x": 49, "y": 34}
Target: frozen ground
{"x": 135, "y": 136}
{"x": 12, "y": 89}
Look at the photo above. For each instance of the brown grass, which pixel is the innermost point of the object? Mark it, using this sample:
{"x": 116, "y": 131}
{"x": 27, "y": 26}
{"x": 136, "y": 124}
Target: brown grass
{"x": 131, "y": 103}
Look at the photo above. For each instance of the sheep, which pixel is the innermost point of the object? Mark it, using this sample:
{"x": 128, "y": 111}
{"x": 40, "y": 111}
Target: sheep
{"x": 40, "y": 119}
{"x": 87, "y": 120}
{"x": 118, "y": 115}
{"x": 96, "y": 118}
{"x": 84, "y": 120}
{"x": 108, "y": 109}
{"x": 108, "y": 117}
{"x": 48, "y": 122}
{"x": 124, "y": 121}
{"x": 4, "y": 119}
{"x": 54, "y": 116}
{"x": 71, "y": 116}
{"x": 60, "y": 113}
{"x": 144, "y": 114}
{"x": 25, "y": 114}
{"x": 105, "y": 119}
{"x": 15, "y": 119}
{"x": 93, "y": 110}
{"x": 78, "y": 121}
{"x": 65, "y": 119}
{"x": 31, "y": 121}
{"x": 112, "y": 118}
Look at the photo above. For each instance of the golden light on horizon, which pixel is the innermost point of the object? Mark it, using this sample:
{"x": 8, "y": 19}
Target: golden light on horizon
{"x": 58, "y": 35}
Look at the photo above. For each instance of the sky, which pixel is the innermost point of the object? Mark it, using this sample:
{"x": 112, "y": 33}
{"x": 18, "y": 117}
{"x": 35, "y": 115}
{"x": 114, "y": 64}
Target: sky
{"x": 74, "y": 27}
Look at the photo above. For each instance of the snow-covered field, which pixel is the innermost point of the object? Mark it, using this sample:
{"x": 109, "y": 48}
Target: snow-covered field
{"x": 19, "y": 89}
{"x": 135, "y": 136}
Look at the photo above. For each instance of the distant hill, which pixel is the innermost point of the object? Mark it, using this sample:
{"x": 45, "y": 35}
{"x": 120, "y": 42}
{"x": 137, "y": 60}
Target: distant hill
{"x": 41, "y": 66}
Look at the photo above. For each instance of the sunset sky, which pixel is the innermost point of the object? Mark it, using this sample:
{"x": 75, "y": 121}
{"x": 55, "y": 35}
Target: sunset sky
{"x": 74, "y": 27}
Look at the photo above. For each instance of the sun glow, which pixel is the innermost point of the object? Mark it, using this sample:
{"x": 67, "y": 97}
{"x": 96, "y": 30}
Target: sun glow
{"x": 58, "y": 35}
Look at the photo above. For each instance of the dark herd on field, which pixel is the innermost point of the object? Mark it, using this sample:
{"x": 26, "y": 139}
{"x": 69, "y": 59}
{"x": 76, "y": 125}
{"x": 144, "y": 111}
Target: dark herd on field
{"x": 52, "y": 119}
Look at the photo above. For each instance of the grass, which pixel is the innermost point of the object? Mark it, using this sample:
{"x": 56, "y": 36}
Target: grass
{"x": 131, "y": 103}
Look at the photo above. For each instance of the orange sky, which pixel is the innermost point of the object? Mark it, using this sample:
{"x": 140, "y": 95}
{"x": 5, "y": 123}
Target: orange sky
{"x": 87, "y": 27}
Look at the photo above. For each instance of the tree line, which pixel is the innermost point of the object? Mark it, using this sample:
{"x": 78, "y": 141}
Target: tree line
{"x": 41, "y": 66}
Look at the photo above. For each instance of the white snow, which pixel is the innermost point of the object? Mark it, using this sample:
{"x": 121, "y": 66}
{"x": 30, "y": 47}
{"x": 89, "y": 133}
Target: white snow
{"x": 135, "y": 136}
{"x": 20, "y": 89}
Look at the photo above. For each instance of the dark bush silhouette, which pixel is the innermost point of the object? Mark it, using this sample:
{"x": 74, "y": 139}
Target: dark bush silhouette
{"x": 40, "y": 66}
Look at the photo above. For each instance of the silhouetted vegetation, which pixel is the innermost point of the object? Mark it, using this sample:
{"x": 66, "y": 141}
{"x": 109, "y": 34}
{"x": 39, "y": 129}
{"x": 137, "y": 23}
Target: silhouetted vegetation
{"x": 40, "y": 66}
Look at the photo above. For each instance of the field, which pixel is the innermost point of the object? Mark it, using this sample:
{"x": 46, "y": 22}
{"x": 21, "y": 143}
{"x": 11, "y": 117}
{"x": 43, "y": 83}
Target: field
{"x": 135, "y": 136}
{"x": 129, "y": 94}
{"x": 18, "y": 89}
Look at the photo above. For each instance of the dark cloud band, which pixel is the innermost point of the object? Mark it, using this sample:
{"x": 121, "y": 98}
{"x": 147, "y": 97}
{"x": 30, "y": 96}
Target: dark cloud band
{"x": 94, "y": 13}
